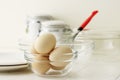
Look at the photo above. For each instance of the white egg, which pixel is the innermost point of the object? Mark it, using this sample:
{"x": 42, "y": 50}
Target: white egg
{"x": 40, "y": 65}
{"x": 59, "y": 57}
{"x": 33, "y": 51}
{"x": 45, "y": 43}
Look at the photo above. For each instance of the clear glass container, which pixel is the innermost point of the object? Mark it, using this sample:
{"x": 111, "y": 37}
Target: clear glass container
{"x": 57, "y": 27}
{"x": 44, "y": 66}
{"x": 34, "y": 24}
{"x": 106, "y": 44}
{"x": 85, "y": 51}
{"x": 33, "y": 29}
{"x": 81, "y": 53}
{"x": 81, "y": 50}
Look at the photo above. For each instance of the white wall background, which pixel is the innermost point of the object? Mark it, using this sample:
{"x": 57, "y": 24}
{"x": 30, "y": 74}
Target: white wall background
{"x": 73, "y": 12}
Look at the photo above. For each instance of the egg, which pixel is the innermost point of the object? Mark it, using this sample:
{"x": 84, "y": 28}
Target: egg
{"x": 41, "y": 58}
{"x": 59, "y": 56}
{"x": 41, "y": 65}
{"x": 57, "y": 68}
{"x": 45, "y": 43}
{"x": 33, "y": 51}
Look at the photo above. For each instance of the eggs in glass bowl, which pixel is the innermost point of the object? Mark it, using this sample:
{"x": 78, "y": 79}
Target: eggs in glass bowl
{"x": 47, "y": 57}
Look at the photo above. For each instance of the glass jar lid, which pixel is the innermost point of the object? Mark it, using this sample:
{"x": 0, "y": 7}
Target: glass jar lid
{"x": 42, "y": 17}
{"x": 54, "y": 23}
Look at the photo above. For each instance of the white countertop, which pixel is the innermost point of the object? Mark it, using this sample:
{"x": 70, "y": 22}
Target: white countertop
{"x": 97, "y": 68}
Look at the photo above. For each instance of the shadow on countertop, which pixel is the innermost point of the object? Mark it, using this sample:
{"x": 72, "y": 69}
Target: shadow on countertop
{"x": 16, "y": 72}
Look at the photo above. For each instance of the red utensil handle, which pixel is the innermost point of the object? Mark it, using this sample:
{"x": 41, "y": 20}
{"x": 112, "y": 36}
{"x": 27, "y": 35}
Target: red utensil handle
{"x": 87, "y": 20}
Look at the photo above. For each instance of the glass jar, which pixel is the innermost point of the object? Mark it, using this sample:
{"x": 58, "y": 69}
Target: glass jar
{"x": 60, "y": 29}
{"x": 34, "y": 25}
{"x": 106, "y": 44}
{"x": 33, "y": 30}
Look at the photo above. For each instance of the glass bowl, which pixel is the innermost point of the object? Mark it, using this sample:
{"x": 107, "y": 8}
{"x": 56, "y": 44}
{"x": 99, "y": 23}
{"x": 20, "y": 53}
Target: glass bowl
{"x": 81, "y": 53}
{"x": 106, "y": 44}
{"x": 81, "y": 50}
{"x": 85, "y": 50}
{"x": 44, "y": 66}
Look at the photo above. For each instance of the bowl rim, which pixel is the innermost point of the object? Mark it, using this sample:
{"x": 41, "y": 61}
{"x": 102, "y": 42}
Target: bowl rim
{"x": 30, "y": 57}
{"x": 100, "y": 34}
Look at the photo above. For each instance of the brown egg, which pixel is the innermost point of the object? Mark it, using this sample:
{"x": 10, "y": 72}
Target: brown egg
{"x": 45, "y": 43}
{"x": 59, "y": 56}
{"x": 41, "y": 64}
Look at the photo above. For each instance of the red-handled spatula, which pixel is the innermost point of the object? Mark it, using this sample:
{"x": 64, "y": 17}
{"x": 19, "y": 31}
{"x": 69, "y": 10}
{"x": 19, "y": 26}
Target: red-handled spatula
{"x": 83, "y": 25}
